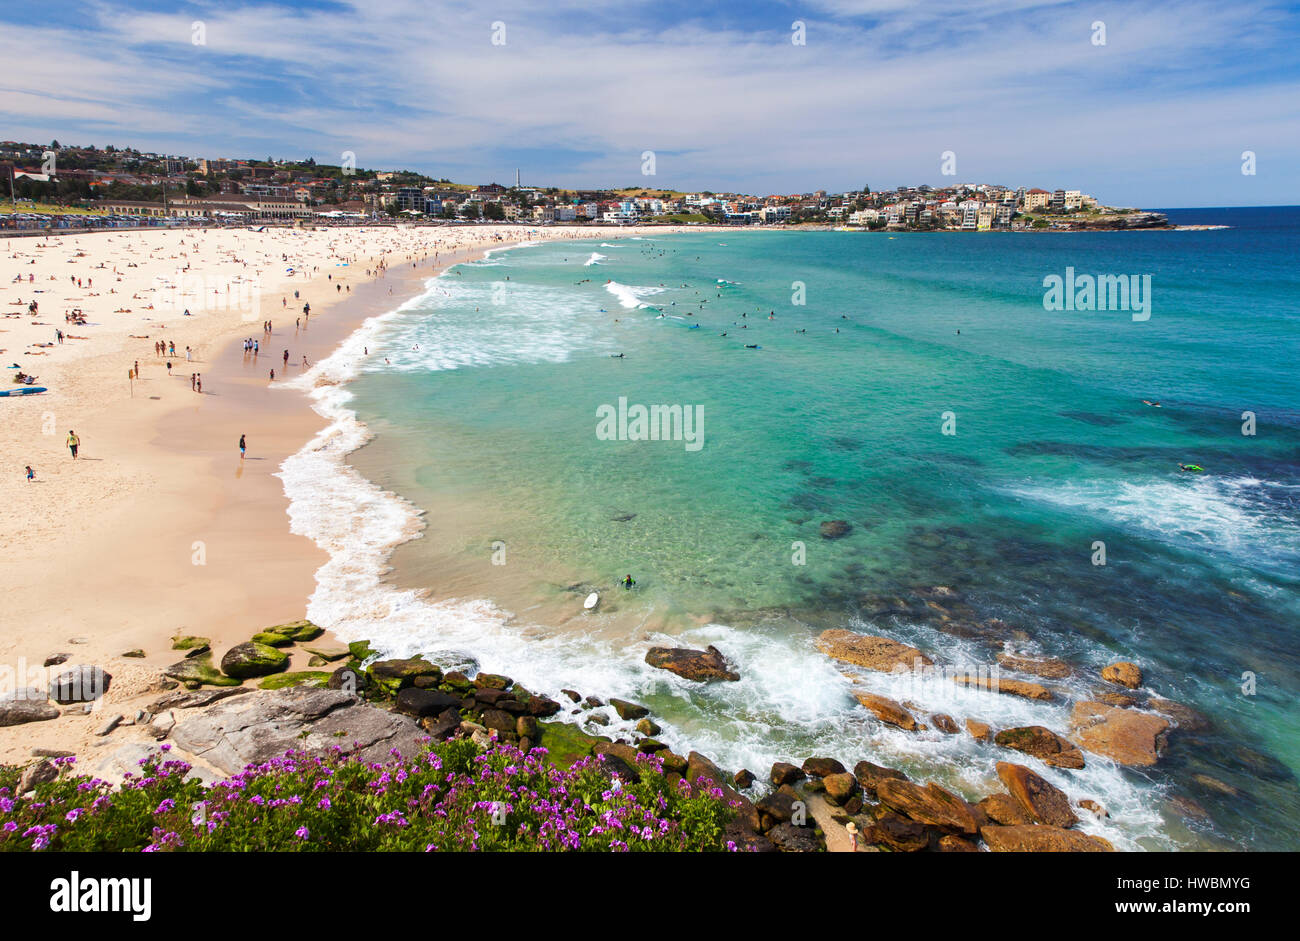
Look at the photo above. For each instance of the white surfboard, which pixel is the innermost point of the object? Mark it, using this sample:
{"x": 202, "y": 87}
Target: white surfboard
{"x": 591, "y": 601}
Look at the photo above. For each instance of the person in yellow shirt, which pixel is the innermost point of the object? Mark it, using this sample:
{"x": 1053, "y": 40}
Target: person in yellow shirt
{"x": 73, "y": 443}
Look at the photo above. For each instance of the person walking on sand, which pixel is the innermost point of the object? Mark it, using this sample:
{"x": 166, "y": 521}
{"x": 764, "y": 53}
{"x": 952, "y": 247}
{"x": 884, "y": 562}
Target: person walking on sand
{"x": 286, "y": 359}
{"x": 73, "y": 443}
{"x": 273, "y": 375}
{"x": 242, "y": 447}
{"x": 198, "y": 383}
{"x": 31, "y": 474}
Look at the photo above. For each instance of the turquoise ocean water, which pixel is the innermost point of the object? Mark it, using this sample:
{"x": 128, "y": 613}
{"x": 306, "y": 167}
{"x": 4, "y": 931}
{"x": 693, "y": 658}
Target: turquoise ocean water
{"x": 480, "y": 400}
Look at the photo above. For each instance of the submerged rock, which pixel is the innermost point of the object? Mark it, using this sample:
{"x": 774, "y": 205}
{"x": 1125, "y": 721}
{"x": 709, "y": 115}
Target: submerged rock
{"x": 836, "y": 529}
{"x": 699, "y": 665}
{"x": 1050, "y": 668}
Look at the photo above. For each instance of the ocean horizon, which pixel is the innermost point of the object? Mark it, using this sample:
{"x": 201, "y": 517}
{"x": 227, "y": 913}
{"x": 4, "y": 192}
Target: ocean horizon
{"x": 895, "y": 434}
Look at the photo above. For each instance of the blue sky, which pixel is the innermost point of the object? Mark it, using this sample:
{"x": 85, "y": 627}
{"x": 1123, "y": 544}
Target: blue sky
{"x": 1159, "y": 116}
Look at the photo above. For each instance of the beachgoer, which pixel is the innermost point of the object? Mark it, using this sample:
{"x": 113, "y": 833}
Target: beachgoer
{"x": 242, "y": 447}
{"x": 31, "y": 474}
{"x": 273, "y": 375}
{"x": 73, "y": 443}
{"x": 628, "y": 581}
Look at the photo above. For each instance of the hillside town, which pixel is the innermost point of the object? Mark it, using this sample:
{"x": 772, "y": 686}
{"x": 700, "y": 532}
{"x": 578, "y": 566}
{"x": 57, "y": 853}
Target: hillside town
{"x": 51, "y": 185}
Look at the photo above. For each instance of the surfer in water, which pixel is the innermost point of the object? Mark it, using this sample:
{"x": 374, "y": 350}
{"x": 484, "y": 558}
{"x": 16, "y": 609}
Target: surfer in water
{"x": 628, "y": 581}
{"x": 1152, "y": 404}
{"x": 1192, "y": 468}
{"x": 615, "y": 355}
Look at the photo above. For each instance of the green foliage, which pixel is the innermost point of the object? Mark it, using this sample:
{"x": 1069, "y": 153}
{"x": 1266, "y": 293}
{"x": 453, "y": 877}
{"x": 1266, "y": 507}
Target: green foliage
{"x": 451, "y": 796}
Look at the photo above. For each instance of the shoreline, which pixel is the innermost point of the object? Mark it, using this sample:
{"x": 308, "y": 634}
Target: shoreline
{"x": 173, "y": 534}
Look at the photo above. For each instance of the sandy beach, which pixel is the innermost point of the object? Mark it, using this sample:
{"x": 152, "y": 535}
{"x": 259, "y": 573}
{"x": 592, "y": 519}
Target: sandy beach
{"x": 159, "y": 527}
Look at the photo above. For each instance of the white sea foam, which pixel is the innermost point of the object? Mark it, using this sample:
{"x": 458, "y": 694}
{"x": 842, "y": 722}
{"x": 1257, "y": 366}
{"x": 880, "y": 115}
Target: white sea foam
{"x": 595, "y": 259}
{"x": 630, "y": 295}
{"x": 1235, "y": 516}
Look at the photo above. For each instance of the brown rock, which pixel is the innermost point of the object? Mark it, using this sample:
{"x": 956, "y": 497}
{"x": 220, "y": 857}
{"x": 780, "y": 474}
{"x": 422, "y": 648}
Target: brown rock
{"x": 1041, "y": 743}
{"x": 978, "y": 730}
{"x": 743, "y": 779}
{"x": 1129, "y": 737}
{"x": 1118, "y": 700}
{"x": 1185, "y": 717}
{"x": 1042, "y": 839}
{"x": 874, "y": 653}
{"x": 1092, "y": 805}
{"x": 944, "y": 723}
{"x": 1042, "y": 800}
{"x": 698, "y": 766}
{"x": 870, "y": 775}
{"x": 699, "y": 665}
{"x": 897, "y": 832}
{"x": 1003, "y": 685}
{"x": 886, "y": 710}
{"x": 822, "y": 767}
{"x": 785, "y": 773}
{"x": 930, "y": 804}
{"x": 1051, "y": 668}
{"x": 955, "y": 844}
{"x": 835, "y": 529}
{"x": 1123, "y": 673}
{"x": 840, "y": 788}
{"x": 1004, "y": 809}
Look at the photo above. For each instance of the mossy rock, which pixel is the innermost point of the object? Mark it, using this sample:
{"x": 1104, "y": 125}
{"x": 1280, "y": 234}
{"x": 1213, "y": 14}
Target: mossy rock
{"x": 316, "y": 679}
{"x": 272, "y": 639}
{"x": 393, "y": 676}
{"x": 251, "y": 659}
{"x": 297, "y": 630}
{"x": 565, "y": 743}
{"x": 315, "y": 661}
{"x": 199, "y": 670}
{"x": 362, "y": 650}
{"x": 136, "y": 654}
{"x": 327, "y": 651}
{"x": 189, "y": 642}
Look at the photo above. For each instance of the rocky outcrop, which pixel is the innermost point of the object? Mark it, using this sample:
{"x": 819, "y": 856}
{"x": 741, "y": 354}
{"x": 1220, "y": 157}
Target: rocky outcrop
{"x": 256, "y": 727}
{"x": 1041, "y": 839}
{"x": 1042, "y": 743}
{"x": 1123, "y": 673}
{"x": 1042, "y": 800}
{"x": 886, "y": 710}
{"x": 874, "y": 653}
{"x": 1126, "y": 736}
{"x": 250, "y": 659}
{"x": 840, "y": 788}
{"x": 978, "y": 730}
{"x": 699, "y": 665}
